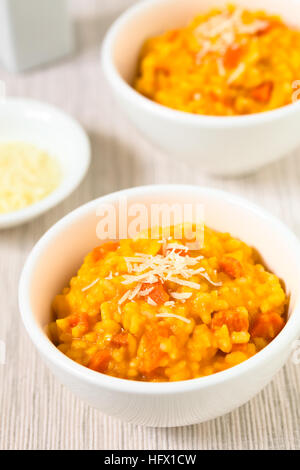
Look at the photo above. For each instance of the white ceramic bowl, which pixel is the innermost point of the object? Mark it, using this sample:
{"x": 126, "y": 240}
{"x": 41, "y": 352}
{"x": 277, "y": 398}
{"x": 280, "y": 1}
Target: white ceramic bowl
{"x": 60, "y": 252}
{"x": 219, "y": 145}
{"x": 51, "y": 130}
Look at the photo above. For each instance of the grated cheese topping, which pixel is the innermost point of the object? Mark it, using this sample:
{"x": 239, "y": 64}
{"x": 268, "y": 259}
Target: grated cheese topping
{"x": 172, "y": 315}
{"x": 181, "y": 295}
{"x": 170, "y": 303}
{"x": 176, "y": 246}
{"x": 236, "y": 73}
{"x": 146, "y": 292}
{"x": 172, "y": 266}
{"x": 27, "y": 175}
{"x": 168, "y": 267}
{"x": 183, "y": 282}
{"x": 90, "y": 285}
{"x": 124, "y": 297}
{"x": 221, "y": 31}
{"x": 150, "y": 269}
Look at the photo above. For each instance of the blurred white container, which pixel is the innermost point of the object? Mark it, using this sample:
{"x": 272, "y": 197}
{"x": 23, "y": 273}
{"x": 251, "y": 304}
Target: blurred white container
{"x": 33, "y": 32}
{"x": 220, "y": 145}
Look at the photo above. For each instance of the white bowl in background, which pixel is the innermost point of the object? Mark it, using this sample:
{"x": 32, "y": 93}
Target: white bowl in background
{"x": 52, "y": 130}
{"x": 60, "y": 252}
{"x": 218, "y": 145}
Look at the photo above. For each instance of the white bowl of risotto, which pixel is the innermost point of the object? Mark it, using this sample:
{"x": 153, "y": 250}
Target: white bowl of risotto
{"x": 59, "y": 254}
{"x": 216, "y": 115}
{"x": 44, "y": 155}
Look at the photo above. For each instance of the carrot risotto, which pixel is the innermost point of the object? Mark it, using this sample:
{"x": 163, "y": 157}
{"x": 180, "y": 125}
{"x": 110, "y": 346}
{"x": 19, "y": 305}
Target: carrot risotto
{"x": 226, "y": 62}
{"x": 159, "y": 311}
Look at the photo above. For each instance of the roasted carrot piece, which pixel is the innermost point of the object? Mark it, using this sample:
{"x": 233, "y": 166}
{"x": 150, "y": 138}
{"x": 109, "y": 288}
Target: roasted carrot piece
{"x": 235, "y": 321}
{"x": 213, "y": 96}
{"x": 151, "y": 352}
{"x": 100, "y": 361}
{"x": 162, "y": 69}
{"x": 231, "y": 266}
{"x": 158, "y": 293}
{"x": 79, "y": 324}
{"x": 267, "y": 325}
{"x": 172, "y": 35}
{"x": 233, "y": 56}
{"x": 239, "y": 347}
{"x": 120, "y": 339}
{"x": 263, "y": 92}
{"x": 78, "y": 319}
{"x": 100, "y": 251}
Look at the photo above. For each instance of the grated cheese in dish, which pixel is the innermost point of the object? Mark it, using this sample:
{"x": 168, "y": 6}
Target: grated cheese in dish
{"x": 159, "y": 331}
{"x": 220, "y": 31}
{"x": 91, "y": 284}
{"x": 172, "y": 315}
{"x": 227, "y": 61}
{"x": 149, "y": 269}
{"x": 27, "y": 175}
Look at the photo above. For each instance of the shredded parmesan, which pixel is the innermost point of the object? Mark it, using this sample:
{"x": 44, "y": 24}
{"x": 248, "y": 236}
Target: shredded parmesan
{"x": 254, "y": 27}
{"x": 207, "y": 278}
{"x": 181, "y": 295}
{"x": 172, "y": 315}
{"x": 221, "y": 67}
{"x": 176, "y": 246}
{"x": 124, "y": 297}
{"x": 170, "y": 303}
{"x": 135, "y": 292}
{"x": 27, "y": 175}
{"x": 146, "y": 292}
{"x": 148, "y": 269}
{"x": 145, "y": 277}
{"x": 221, "y": 31}
{"x": 183, "y": 282}
{"x": 90, "y": 285}
{"x": 171, "y": 267}
{"x": 195, "y": 246}
{"x": 236, "y": 73}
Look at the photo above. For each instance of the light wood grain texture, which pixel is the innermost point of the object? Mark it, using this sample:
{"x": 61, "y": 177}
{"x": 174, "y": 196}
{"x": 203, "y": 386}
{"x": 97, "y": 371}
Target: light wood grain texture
{"x": 36, "y": 412}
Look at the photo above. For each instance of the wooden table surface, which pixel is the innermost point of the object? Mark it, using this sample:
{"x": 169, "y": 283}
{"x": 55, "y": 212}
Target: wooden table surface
{"x": 36, "y": 412}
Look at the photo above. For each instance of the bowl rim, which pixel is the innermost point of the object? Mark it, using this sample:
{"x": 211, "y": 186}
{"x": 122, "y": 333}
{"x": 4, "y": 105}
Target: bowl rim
{"x": 121, "y": 86}
{"x": 64, "y": 189}
{"x": 53, "y": 356}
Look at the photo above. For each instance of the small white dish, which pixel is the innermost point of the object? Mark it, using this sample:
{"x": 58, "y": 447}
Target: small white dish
{"x": 228, "y": 146}
{"x": 59, "y": 254}
{"x": 52, "y": 130}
